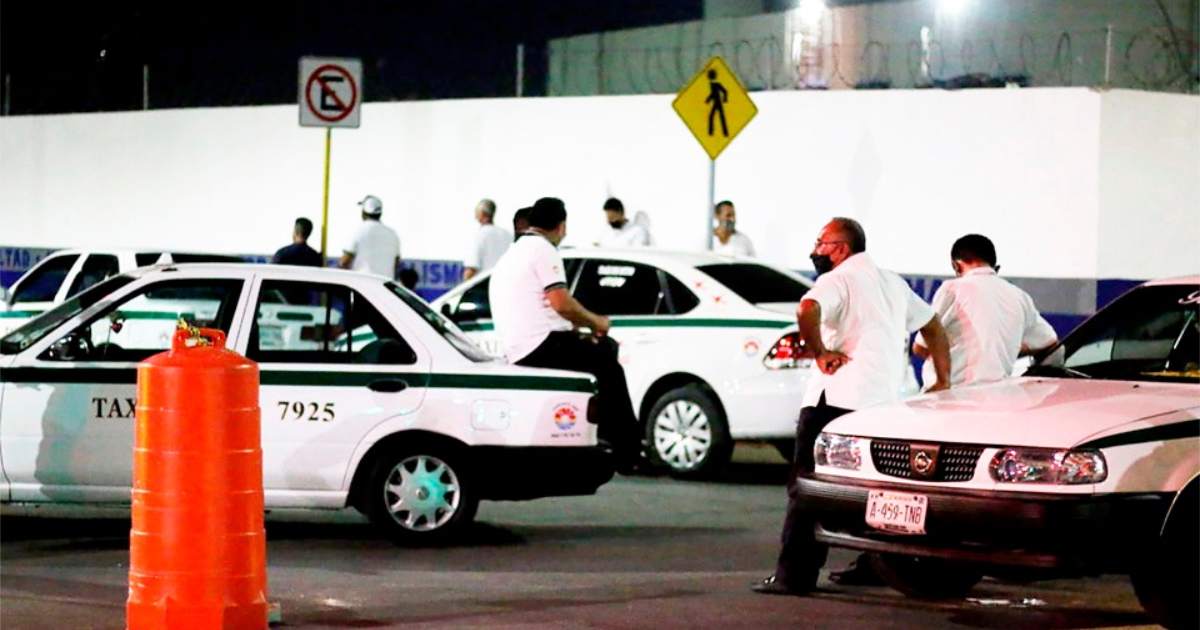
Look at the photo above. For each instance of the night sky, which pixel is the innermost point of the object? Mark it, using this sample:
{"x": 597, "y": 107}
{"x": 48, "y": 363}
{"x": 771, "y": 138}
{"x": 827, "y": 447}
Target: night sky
{"x": 88, "y": 56}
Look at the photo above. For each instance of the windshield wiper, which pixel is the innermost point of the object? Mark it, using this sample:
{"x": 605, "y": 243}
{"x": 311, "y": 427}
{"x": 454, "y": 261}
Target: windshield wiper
{"x": 1055, "y": 370}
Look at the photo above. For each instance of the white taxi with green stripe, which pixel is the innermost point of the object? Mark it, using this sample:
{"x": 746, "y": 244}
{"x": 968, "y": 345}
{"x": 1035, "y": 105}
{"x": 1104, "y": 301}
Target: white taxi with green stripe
{"x": 707, "y": 344}
{"x": 404, "y": 418}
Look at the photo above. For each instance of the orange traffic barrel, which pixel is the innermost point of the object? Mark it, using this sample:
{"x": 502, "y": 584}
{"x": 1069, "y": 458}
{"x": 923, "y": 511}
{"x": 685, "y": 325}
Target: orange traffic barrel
{"x": 197, "y": 548}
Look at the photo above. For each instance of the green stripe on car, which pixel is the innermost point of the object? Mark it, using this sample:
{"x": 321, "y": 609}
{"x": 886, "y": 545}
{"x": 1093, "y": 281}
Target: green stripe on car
{"x": 16, "y": 314}
{"x": 128, "y": 376}
{"x": 654, "y": 322}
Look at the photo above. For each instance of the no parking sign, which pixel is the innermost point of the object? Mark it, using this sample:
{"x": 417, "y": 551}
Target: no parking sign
{"x": 330, "y": 92}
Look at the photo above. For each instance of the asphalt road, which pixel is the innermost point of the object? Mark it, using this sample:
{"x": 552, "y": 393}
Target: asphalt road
{"x": 643, "y": 553}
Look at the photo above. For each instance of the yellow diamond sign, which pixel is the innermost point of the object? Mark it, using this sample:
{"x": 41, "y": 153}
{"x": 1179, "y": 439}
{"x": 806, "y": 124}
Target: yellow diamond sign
{"x": 715, "y": 106}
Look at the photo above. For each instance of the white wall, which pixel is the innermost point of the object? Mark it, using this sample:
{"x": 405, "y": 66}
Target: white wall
{"x": 1031, "y": 168}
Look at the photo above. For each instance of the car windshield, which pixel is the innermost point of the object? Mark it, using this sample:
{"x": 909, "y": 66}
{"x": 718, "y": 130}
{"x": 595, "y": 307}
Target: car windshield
{"x": 757, "y": 284}
{"x": 1149, "y": 334}
{"x": 40, "y": 326}
{"x": 443, "y": 326}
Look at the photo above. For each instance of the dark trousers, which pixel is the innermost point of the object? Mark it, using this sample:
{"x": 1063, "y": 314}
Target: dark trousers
{"x": 616, "y": 421}
{"x": 801, "y": 556}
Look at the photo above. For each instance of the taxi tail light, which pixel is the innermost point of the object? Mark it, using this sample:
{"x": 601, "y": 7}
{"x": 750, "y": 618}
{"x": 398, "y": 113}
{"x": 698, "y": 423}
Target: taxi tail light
{"x": 787, "y": 353}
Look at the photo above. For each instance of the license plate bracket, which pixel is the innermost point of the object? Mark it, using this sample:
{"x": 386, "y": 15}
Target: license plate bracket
{"x": 897, "y": 512}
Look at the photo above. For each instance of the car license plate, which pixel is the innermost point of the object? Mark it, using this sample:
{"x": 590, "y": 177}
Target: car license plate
{"x": 897, "y": 512}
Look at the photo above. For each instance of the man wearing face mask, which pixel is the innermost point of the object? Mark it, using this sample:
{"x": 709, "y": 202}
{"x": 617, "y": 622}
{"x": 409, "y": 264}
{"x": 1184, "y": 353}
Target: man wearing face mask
{"x": 535, "y": 315}
{"x": 989, "y": 321}
{"x": 729, "y": 241}
{"x": 624, "y": 234}
{"x": 852, "y": 322}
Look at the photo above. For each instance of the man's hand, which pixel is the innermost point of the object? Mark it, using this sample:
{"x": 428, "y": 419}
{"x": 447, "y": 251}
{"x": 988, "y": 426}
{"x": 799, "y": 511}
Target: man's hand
{"x": 830, "y": 361}
{"x": 937, "y": 387}
{"x": 601, "y": 325}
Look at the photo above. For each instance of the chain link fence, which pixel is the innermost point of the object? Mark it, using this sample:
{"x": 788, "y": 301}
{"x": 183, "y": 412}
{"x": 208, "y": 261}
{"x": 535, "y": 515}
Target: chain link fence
{"x": 1157, "y": 59}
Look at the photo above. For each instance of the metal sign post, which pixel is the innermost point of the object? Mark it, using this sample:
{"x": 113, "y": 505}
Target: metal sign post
{"x": 330, "y": 96}
{"x": 715, "y": 106}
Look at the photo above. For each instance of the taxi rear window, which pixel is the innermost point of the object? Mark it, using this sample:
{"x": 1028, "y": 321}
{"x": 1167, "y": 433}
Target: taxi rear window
{"x": 757, "y": 284}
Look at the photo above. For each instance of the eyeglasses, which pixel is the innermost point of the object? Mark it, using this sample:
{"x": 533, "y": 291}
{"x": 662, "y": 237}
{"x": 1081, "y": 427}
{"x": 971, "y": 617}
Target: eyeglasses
{"x": 819, "y": 242}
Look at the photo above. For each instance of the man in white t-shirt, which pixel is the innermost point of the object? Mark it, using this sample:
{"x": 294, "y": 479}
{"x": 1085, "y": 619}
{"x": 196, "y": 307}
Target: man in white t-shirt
{"x": 728, "y": 241}
{"x": 853, "y": 321}
{"x": 989, "y": 321}
{"x": 534, "y": 315}
{"x": 491, "y": 241}
{"x": 374, "y": 248}
{"x": 623, "y": 234}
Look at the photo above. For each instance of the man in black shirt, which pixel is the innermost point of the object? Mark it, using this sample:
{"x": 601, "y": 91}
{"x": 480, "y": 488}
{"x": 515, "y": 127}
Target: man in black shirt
{"x": 299, "y": 253}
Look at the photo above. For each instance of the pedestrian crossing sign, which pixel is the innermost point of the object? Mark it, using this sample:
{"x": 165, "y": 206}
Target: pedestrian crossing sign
{"x": 715, "y": 106}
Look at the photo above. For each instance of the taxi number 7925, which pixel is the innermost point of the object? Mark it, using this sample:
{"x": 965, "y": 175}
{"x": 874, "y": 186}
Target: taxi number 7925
{"x": 897, "y": 512}
{"x": 310, "y": 411}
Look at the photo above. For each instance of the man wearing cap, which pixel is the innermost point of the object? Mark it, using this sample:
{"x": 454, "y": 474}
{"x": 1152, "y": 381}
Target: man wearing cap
{"x": 375, "y": 248}
{"x": 624, "y": 233}
{"x": 535, "y": 316}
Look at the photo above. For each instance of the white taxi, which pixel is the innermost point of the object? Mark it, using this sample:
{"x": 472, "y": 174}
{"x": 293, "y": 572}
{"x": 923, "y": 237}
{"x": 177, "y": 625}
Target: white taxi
{"x": 1089, "y": 463}
{"x": 70, "y": 271}
{"x": 707, "y": 342}
{"x": 371, "y": 399}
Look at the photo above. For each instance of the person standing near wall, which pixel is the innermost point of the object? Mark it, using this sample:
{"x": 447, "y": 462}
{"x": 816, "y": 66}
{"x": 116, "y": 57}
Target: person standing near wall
{"x": 534, "y": 316}
{"x": 299, "y": 253}
{"x": 989, "y": 321}
{"x": 375, "y": 248}
{"x": 491, "y": 241}
{"x": 729, "y": 241}
{"x": 851, "y": 322}
{"x": 623, "y": 234}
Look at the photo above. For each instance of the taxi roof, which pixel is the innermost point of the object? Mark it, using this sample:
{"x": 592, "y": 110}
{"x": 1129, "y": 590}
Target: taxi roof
{"x": 248, "y": 268}
{"x": 657, "y": 256}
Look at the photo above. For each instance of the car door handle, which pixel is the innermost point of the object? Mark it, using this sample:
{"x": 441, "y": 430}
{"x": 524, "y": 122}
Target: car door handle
{"x": 387, "y": 385}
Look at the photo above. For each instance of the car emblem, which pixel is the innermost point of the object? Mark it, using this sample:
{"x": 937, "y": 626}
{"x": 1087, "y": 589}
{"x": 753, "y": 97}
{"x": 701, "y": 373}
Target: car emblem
{"x": 922, "y": 459}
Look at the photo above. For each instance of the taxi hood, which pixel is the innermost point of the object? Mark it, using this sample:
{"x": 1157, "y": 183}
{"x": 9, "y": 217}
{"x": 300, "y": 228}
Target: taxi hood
{"x": 1047, "y": 412}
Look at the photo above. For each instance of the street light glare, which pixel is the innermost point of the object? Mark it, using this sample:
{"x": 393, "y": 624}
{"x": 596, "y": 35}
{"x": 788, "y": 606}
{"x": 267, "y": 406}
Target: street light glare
{"x": 952, "y": 7}
{"x": 811, "y": 11}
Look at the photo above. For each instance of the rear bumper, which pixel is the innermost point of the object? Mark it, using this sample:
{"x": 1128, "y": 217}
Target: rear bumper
{"x": 514, "y": 473}
{"x": 1050, "y": 531}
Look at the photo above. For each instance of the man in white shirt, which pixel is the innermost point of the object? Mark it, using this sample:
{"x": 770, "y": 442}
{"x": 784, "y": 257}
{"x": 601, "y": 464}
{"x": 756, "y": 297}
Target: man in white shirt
{"x": 853, "y": 322}
{"x": 729, "y": 241}
{"x": 989, "y": 321}
{"x": 534, "y": 316}
{"x": 491, "y": 241}
{"x": 374, "y": 248}
{"x": 624, "y": 233}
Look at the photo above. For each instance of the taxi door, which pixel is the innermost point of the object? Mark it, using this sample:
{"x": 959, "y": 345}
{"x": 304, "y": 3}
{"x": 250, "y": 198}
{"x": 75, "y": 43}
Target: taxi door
{"x": 333, "y": 366}
{"x": 68, "y": 401}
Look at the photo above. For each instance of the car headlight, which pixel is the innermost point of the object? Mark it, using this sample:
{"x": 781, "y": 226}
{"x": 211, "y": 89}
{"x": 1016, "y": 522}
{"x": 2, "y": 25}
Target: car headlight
{"x": 1040, "y": 465}
{"x": 838, "y": 451}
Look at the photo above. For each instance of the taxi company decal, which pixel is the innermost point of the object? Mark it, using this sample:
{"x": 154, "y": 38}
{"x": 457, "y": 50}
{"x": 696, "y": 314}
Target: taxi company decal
{"x": 565, "y": 416}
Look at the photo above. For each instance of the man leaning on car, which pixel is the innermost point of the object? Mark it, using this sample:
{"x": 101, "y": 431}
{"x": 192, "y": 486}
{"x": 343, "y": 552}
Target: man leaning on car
{"x": 851, "y": 322}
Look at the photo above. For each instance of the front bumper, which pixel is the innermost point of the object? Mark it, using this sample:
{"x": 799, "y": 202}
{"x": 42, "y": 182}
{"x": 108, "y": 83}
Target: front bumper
{"x": 517, "y": 473}
{"x": 1050, "y": 531}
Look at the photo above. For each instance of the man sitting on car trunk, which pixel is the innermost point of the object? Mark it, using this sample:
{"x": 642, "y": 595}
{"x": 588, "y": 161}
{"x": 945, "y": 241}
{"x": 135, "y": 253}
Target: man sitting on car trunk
{"x": 534, "y": 315}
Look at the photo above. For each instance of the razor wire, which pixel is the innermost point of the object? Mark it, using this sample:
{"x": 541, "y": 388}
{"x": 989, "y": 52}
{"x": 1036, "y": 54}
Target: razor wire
{"x": 1147, "y": 59}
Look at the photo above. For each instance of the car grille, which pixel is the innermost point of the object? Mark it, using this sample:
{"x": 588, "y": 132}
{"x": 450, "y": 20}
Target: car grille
{"x": 955, "y": 462}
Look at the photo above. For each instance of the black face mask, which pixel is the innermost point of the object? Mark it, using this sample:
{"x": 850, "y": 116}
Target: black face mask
{"x": 822, "y": 263}
{"x": 616, "y": 225}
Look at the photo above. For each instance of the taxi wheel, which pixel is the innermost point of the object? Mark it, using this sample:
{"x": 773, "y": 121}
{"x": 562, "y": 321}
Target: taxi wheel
{"x": 1168, "y": 577}
{"x": 420, "y": 495}
{"x": 687, "y": 433}
{"x": 926, "y": 578}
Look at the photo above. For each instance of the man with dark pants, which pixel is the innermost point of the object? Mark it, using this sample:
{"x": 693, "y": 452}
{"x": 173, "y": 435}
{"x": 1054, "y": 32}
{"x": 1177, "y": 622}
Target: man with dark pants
{"x": 535, "y": 315}
{"x": 854, "y": 322}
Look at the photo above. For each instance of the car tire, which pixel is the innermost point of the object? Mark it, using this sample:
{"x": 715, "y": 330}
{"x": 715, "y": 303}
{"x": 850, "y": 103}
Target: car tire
{"x": 926, "y": 578}
{"x": 1168, "y": 577}
{"x": 686, "y": 432}
{"x": 420, "y": 495}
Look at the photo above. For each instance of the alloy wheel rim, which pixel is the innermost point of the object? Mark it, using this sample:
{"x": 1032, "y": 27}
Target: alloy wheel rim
{"x": 422, "y": 493}
{"x": 682, "y": 435}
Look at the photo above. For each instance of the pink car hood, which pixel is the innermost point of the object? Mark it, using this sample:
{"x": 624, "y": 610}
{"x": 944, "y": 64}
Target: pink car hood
{"x": 1050, "y": 412}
